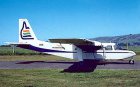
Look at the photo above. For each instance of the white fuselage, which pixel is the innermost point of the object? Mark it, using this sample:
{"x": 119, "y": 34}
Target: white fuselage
{"x": 73, "y": 52}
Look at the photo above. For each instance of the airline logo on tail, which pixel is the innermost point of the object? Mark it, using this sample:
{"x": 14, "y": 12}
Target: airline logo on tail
{"x": 25, "y": 32}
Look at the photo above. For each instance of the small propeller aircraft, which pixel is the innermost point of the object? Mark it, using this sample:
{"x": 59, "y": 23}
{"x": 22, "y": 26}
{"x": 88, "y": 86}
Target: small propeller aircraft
{"x": 73, "y": 48}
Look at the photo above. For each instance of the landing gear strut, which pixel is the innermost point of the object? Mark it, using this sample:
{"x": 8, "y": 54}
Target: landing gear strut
{"x": 131, "y": 61}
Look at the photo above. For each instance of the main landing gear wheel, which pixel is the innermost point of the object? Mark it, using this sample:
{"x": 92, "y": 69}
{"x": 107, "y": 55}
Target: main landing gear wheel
{"x": 131, "y": 61}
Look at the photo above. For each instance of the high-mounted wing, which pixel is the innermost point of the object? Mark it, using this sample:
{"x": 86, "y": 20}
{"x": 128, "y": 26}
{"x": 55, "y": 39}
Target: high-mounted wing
{"x": 85, "y": 44}
{"x": 71, "y": 41}
{"x": 75, "y": 41}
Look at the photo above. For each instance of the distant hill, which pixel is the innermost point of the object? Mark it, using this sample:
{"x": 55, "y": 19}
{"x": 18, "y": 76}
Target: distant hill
{"x": 131, "y": 39}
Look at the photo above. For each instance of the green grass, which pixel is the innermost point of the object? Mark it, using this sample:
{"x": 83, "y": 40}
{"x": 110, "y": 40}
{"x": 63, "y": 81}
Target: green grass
{"x": 18, "y": 51}
{"x": 53, "y": 78}
{"x": 137, "y": 58}
{"x": 135, "y": 49}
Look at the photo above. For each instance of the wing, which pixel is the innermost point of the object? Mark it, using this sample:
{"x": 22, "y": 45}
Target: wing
{"x": 70, "y": 41}
{"x": 75, "y": 41}
{"x": 85, "y": 44}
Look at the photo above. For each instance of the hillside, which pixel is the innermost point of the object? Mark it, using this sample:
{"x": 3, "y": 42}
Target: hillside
{"x": 131, "y": 39}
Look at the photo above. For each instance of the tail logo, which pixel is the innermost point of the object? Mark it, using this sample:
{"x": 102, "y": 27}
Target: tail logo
{"x": 25, "y": 32}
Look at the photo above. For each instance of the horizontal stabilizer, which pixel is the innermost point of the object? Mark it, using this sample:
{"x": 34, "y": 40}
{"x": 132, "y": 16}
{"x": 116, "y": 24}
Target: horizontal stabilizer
{"x": 16, "y": 43}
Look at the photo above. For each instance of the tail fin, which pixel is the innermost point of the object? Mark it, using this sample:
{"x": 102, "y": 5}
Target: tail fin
{"x": 26, "y": 33}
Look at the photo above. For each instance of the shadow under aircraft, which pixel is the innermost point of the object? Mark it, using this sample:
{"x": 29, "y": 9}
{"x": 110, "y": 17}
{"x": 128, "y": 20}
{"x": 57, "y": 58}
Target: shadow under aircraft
{"x": 77, "y": 67}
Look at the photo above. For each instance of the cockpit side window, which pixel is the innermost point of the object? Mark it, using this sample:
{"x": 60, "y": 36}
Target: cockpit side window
{"x": 109, "y": 47}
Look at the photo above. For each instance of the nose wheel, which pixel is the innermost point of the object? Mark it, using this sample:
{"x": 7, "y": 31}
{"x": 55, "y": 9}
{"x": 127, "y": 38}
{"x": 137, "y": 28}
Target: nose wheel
{"x": 131, "y": 61}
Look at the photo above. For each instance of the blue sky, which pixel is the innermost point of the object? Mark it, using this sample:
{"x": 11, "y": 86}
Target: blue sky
{"x": 70, "y": 18}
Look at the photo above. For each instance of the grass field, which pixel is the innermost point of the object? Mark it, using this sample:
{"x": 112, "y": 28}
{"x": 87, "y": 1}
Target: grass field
{"x": 54, "y": 78}
{"x": 18, "y": 51}
{"x": 137, "y": 58}
{"x": 135, "y": 49}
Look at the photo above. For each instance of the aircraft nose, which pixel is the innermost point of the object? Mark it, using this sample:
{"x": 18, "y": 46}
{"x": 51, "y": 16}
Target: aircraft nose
{"x": 133, "y": 53}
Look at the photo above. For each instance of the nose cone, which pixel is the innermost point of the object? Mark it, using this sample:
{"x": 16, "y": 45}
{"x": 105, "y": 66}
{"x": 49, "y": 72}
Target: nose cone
{"x": 132, "y": 53}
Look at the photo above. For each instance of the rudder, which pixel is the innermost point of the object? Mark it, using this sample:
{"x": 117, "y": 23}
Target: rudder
{"x": 26, "y": 33}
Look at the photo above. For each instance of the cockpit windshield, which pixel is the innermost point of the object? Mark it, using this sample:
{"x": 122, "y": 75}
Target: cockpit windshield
{"x": 117, "y": 47}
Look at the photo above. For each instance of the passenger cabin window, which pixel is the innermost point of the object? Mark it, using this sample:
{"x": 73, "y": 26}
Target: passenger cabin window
{"x": 108, "y": 47}
{"x": 40, "y": 44}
